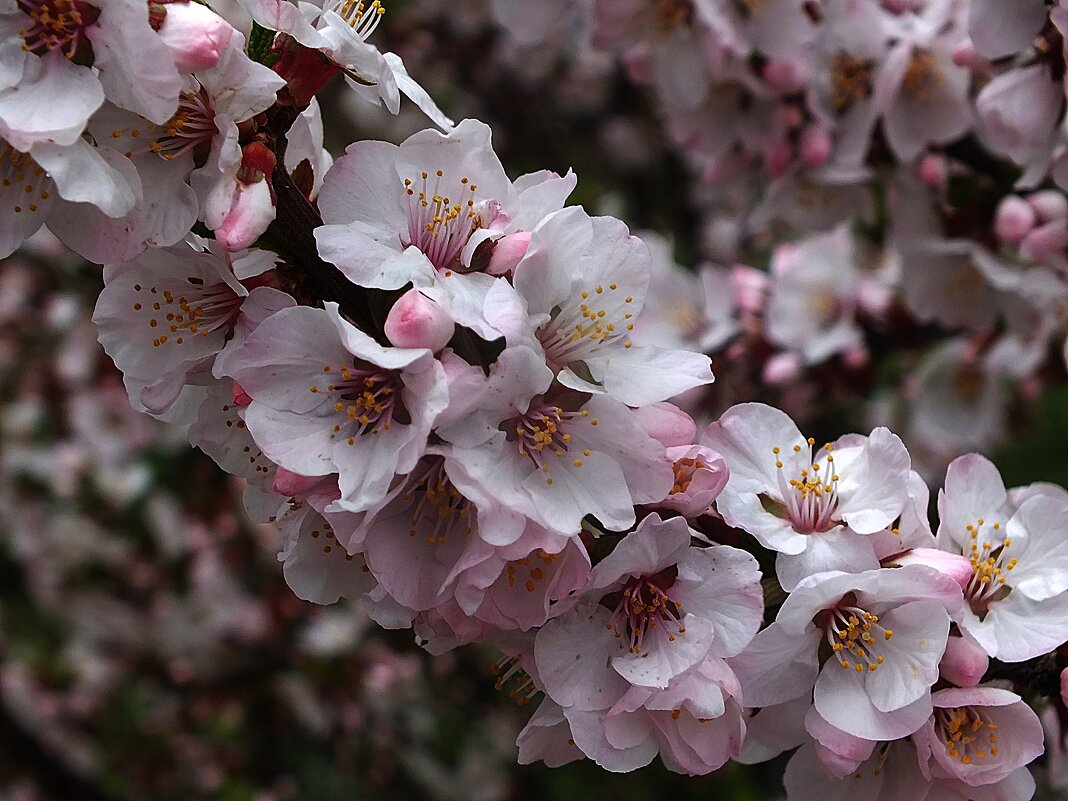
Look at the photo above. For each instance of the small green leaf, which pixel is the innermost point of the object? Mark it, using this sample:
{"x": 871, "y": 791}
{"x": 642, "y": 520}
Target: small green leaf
{"x": 260, "y": 41}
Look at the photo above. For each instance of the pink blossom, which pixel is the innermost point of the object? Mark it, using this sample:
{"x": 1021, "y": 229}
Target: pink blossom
{"x": 650, "y": 613}
{"x": 1018, "y": 593}
{"x": 813, "y": 507}
{"x": 326, "y": 398}
{"x": 978, "y": 736}
{"x": 887, "y": 632}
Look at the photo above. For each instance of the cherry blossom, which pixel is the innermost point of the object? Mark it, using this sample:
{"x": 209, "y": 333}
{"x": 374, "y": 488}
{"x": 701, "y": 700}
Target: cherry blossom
{"x": 812, "y": 506}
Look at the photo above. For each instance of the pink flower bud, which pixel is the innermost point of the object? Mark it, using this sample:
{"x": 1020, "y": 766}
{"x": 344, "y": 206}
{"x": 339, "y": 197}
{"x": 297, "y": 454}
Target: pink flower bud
{"x": 965, "y": 55}
{"x": 815, "y": 145}
{"x": 856, "y": 358}
{"x": 953, "y": 565}
{"x": 195, "y": 35}
{"x": 667, "y": 424}
{"x": 932, "y": 170}
{"x": 415, "y": 321}
{"x": 700, "y": 475}
{"x": 964, "y": 662}
{"x": 783, "y": 75}
{"x": 293, "y": 485}
{"x": 507, "y": 252}
{"x": 1049, "y": 204}
{"x": 241, "y": 398}
{"x": 1045, "y": 241}
{"x": 782, "y": 368}
{"x": 1014, "y": 219}
{"x": 777, "y": 157}
{"x": 750, "y": 288}
{"x": 1064, "y": 686}
{"x": 250, "y": 214}
{"x": 874, "y": 297}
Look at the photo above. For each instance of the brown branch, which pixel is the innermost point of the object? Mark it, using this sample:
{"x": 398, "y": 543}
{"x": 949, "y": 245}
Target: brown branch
{"x": 292, "y": 235}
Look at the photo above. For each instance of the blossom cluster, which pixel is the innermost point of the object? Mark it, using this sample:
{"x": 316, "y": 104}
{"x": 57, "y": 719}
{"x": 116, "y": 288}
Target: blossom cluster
{"x": 452, "y": 393}
{"x": 897, "y": 166}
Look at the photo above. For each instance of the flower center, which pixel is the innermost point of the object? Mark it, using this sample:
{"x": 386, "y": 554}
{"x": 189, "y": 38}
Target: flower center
{"x": 510, "y": 670}
{"x": 669, "y": 14}
{"x": 854, "y": 633}
{"x": 366, "y": 397}
{"x": 684, "y": 470}
{"x": 851, "y": 80}
{"x": 643, "y": 606}
{"x": 440, "y": 224}
{"x": 437, "y": 507}
{"x": 58, "y": 25}
{"x": 811, "y": 497}
{"x": 990, "y": 564}
{"x": 529, "y": 566}
{"x": 194, "y": 309}
{"x": 967, "y": 734}
{"x": 22, "y": 180}
{"x": 192, "y": 125}
{"x": 585, "y": 323}
{"x": 922, "y": 77}
{"x": 361, "y": 19}
{"x": 542, "y": 436}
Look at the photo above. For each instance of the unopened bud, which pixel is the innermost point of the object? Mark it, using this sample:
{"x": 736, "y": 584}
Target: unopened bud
{"x": 1046, "y": 241}
{"x": 964, "y": 662}
{"x": 815, "y": 146}
{"x": 784, "y": 75}
{"x": 667, "y": 424}
{"x": 195, "y": 35}
{"x": 241, "y": 398}
{"x": 933, "y": 170}
{"x": 507, "y": 252}
{"x": 750, "y": 288}
{"x": 415, "y": 321}
{"x": 293, "y": 485}
{"x": 700, "y": 475}
{"x": 1049, "y": 204}
{"x": 953, "y": 565}
{"x": 782, "y": 368}
{"x": 252, "y": 211}
{"x": 1014, "y": 219}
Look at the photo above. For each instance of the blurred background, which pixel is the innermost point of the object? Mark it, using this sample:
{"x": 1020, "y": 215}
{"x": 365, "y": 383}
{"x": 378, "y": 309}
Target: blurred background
{"x": 149, "y": 647}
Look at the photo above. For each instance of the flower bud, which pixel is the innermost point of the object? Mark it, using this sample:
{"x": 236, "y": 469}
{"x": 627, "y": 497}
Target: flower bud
{"x": 782, "y": 368}
{"x": 667, "y": 424}
{"x": 252, "y": 211}
{"x": 241, "y": 398}
{"x": 195, "y": 35}
{"x": 933, "y": 170}
{"x": 1046, "y": 241}
{"x": 784, "y": 75}
{"x": 507, "y": 252}
{"x": 953, "y": 565}
{"x": 964, "y": 662}
{"x": 750, "y": 288}
{"x": 700, "y": 475}
{"x": 1049, "y": 204}
{"x": 1014, "y": 219}
{"x": 293, "y": 485}
{"x": 815, "y": 146}
{"x": 1064, "y": 686}
{"x": 415, "y": 321}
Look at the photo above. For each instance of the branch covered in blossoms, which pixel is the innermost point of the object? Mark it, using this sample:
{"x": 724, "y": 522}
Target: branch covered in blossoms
{"x": 460, "y": 400}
